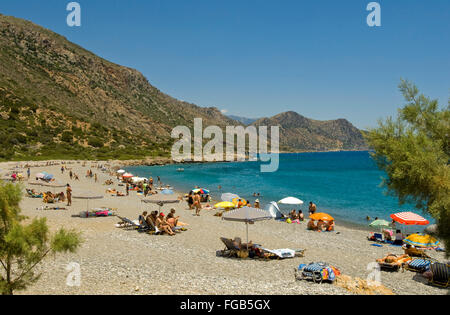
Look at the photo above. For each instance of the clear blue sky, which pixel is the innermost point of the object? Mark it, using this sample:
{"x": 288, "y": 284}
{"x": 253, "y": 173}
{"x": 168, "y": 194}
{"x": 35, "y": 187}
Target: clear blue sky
{"x": 257, "y": 58}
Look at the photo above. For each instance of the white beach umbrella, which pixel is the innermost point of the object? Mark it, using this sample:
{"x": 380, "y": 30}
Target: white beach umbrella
{"x": 291, "y": 201}
{"x": 121, "y": 171}
{"x": 87, "y": 195}
{"x": 247, "y": 215}
{"x": 229, "y": 197}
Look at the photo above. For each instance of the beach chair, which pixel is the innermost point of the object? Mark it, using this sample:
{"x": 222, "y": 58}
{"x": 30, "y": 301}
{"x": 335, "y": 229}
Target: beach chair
{"x": 440, "y": 274}
{"x": 419, "y": 265}
{"x": 31, "y": 195}
{"x": 131, "y": 224}
{"x": 230, "y": 250}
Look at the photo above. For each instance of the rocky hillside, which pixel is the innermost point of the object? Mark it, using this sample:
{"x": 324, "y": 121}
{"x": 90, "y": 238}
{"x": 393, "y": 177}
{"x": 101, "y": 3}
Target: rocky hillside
{"x": 60, "y": 100}
{"x": 298, "y": 133}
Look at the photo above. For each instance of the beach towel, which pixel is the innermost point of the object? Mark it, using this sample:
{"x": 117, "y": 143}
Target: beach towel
{"x": 282, "y": 253}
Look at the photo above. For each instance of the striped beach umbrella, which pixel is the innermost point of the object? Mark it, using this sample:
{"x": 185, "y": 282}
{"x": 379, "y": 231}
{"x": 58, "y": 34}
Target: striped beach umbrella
{"x": 409, "y": 218}
{"x": 201, "y": 190}
{"x": 127, "y": 175}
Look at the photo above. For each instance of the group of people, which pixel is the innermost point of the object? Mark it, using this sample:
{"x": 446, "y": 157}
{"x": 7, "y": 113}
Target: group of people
{"x": 194, "y": 201}
{"x": 321, "y": 226}
{"x": 165, "y": 224}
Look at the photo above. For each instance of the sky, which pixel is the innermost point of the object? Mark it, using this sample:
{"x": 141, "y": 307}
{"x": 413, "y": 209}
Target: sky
{"x": 257, "y": 58}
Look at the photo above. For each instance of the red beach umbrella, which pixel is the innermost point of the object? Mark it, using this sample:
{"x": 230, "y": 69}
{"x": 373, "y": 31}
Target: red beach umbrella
{"x": 409, "y": 218}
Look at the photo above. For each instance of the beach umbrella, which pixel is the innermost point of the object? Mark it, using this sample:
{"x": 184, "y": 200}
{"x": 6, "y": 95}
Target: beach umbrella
{"x": 409, "y": 218}
{"x": 201, "y": 190}
{"x": 121, "y": 171}
{"x": 127, "y": 175}
{"x": 167, "y": 192}
{"x": 291, "y": 201}
{"x": 321, "y": 216}
{"x": 379, "y": 223}
{"x": 246, "y": 215}
{"x": 160, "y": 203}
{"x": 421, "y": 240}
{"x": 224, "y": 205}
{"x": 87, "y": 195}
{"x": 229, "y": 197}
{"x": 274, "y": 210}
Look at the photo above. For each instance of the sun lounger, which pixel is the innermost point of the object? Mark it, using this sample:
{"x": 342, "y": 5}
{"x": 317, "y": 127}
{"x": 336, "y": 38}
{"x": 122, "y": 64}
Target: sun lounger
{"x": 440, "y": 274}
{"x": 31, "y": 195}
{"x": 419, "y": 265}
{"x": 137, "y": 226}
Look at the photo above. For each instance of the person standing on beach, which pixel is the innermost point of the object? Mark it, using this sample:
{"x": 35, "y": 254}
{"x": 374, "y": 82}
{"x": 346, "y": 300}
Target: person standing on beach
{"x": 70, "y": 175}
{"x": 95, "y": 177}
{"x": 312, "y": 208}
{"x": 28, "y": 173}
{"x": 128, "y": 189}
{"x": 190, "y": 200}
{"x": 62, "y": 169}
{"x": 197, "y": 204}
{"x": 159, "y": 181}
{"x": 69, "y": 195}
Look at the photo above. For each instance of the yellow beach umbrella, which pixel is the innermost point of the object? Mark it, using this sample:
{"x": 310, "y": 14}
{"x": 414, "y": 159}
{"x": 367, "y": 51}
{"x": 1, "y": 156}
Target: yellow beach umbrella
{"x": 224, "y": 205}
{"x": 421, "y": 240}
{"x": 321, "y": 216}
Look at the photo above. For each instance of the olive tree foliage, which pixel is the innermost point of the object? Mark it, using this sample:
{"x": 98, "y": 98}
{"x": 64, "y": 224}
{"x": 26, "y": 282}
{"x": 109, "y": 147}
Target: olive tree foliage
{"x": 414, "y": 150}
{"x": 24, "y": 245}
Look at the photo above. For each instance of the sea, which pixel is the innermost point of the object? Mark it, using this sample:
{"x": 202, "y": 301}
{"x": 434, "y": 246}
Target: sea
{"x": 346, "y": 185}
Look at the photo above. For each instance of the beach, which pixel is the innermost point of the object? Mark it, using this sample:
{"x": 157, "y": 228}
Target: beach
{"x": 120, "y": 261}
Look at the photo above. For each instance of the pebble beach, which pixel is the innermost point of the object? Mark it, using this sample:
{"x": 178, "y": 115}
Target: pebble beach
{"x": 123, "y": 261}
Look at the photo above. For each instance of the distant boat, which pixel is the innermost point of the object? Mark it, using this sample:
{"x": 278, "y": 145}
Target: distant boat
{"x": 180, "y": 170}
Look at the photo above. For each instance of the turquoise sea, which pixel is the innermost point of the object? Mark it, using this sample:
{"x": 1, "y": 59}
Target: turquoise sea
{"x": 343, "y": 184}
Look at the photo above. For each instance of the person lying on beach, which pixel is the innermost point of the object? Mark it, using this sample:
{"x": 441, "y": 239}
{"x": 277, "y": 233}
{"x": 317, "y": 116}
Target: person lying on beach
{"x": 162, "y": 225}
{"x": 312, "y": 226}
{"x": 120, "y": 194}
{"x": 330, "y": 226}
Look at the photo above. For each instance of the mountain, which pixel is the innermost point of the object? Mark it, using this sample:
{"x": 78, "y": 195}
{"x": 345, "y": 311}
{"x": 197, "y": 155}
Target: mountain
{"x": 60, "y": 100}
{"x": 298, "y": 133}
{"x": 243, "y": 120}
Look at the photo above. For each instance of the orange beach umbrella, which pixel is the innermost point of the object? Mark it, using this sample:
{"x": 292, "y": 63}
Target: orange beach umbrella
{"x": 321, "y": 216}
